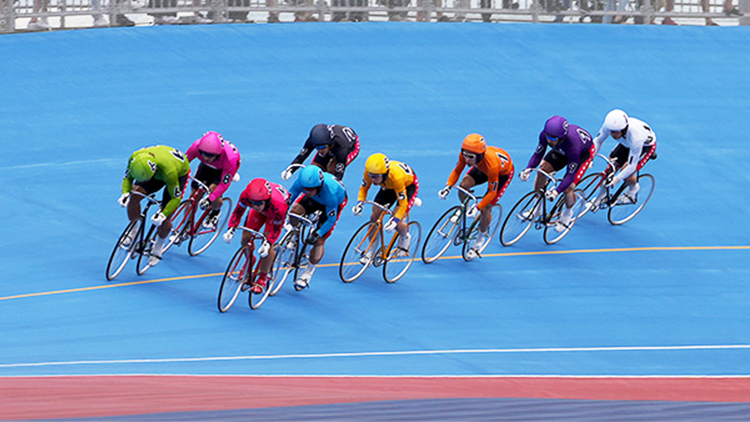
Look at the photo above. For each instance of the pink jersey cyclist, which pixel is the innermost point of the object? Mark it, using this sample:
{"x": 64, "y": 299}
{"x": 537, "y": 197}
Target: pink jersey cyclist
{"x": 272, "y": 214}
{"x": 219, "y": 159}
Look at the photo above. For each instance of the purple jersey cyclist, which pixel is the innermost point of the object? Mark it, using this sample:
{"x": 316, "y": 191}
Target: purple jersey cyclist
{"x": 572, "y": 147}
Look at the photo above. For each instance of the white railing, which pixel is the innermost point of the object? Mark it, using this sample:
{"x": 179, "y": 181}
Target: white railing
{"x": 27, "y": 15}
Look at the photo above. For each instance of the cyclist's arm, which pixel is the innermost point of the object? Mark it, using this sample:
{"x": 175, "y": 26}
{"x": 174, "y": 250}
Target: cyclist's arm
{"x": 364, "y": 188}
{"x": 600, "y": 138}
{"x": 538, "y": 154}
{"x": 307, "y": 149}
{"x": 236, "y": 217}
{"x": 456, "y": 173}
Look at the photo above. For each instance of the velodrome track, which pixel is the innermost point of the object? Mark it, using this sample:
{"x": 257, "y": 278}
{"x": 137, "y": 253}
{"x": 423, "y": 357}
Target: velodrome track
{"x": 646, "y": 321}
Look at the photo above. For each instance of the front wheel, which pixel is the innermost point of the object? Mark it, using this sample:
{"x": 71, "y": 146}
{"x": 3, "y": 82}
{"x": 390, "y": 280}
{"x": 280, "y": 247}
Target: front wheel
{"x": 556, "y": 229}
{"x": 124, "y": 249}
{"x": 623, "y": 210}
{"x": 231, "y": 284}
{"x": 441, "y": 235}
{"x": 203, "y": 237}
{"x": 359, "y": 252}
{"x": 398, "y": 260}
{"x": 520, "y": 218}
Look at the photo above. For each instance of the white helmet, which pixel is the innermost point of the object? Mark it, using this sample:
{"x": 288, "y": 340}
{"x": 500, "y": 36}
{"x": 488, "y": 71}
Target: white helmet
{"x": 616, "y": 121}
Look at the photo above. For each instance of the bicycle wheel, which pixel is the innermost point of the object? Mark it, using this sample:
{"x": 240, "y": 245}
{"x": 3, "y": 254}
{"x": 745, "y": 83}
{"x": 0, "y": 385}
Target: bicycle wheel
{"x": 621, "y": 213}
{"x": 203, "y": 237}
{"x": 551, "y": 235}
{"x": 518, "y": 221}
{"x": 396, "y": 263}
{"x": 255, "y": 300}
{"x": 283, "y": 264}
{"x": 122, "y": 253}
{"x": 181, "y": 224}
{"x": 145, "y": 250}
{"x": 473, "y": 232}
{"x": 589, "y": 187}
{"x": 353, "y": 261}
{"x": 231, "y": 284}
{"x": 441, "y": 236}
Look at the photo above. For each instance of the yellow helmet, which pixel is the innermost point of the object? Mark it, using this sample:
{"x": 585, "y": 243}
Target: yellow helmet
{"x": 377, "y": 164}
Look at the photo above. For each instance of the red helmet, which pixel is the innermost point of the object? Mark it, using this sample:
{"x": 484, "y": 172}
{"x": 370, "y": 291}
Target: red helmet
{"x": 258, "y": 190}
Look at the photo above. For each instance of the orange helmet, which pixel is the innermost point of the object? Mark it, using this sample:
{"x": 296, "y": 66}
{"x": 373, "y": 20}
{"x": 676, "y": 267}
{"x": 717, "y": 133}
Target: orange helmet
{"x": 474, "y": 143}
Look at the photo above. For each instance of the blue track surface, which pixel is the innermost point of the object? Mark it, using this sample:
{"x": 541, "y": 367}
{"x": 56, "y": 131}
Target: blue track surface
{"x": 618, "y": 301}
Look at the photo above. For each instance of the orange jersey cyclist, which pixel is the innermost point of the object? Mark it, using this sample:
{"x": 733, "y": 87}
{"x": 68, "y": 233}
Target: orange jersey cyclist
{"x": 398, "y": 184}
{"x": 489, "y": 164}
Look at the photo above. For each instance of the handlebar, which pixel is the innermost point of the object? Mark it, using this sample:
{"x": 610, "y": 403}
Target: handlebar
{"x": 607, "y": 160}
{"x": 150, "y": 197}
{"x": 308, "y": 221}
{"x": 381, "y": 206}
{"x": 253, "y": 232}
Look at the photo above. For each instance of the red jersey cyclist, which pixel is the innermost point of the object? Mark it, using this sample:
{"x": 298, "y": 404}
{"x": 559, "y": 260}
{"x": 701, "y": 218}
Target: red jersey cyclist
{"x": 268, "y": 203}
{"x": 488, "y": 164}
{"x": 398, "y": 184}
{"x": 220, "y": 161}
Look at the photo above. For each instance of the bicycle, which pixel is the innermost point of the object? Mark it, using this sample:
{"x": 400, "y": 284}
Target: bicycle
{"x": 451, "y": 228}
{"x": 185, "y": 227}
{"x": 360, "y": 252}
{"x": 532, "y": 210}
{"x": 132, "y": 242}
{"x": 293, "y": 253}
{"x": 242, "y": 272}
{"x": 619, "y": 211}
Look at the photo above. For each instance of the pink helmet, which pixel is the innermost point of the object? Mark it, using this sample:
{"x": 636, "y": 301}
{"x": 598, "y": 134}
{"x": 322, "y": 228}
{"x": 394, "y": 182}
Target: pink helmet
{"x": 211, "y": 143}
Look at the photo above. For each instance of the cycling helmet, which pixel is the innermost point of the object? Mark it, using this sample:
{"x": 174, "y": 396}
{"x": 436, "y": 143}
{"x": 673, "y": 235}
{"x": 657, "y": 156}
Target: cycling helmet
{"x": 616, "y": 121}
{"x": 211, "y": 143}
{"x": 319, "y": 136}
{"x": 142, "y": 168}
{"x": 556, "y": 128}
{"x": 258, "y": 190}
{"x": 311, "y": 177}
{"x": 474, "y": 143}
{"x": 377, "y": 164}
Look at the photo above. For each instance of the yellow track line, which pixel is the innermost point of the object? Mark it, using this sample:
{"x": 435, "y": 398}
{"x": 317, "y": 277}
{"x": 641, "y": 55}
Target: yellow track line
{"x": 509, "y": 254}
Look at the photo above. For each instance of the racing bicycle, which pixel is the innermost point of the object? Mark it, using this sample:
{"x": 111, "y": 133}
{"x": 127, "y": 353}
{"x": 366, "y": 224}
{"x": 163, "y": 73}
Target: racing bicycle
{"x": 532, "y": 210}
{"x": 621, "y": 207}
{"x": 293, "y": 254}
{"x": 367, "y": 248}
{"x": 455, "y": 228}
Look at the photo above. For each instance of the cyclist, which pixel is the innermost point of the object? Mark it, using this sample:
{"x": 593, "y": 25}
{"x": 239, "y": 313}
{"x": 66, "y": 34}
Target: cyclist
{"x": 219, "y": 162}
{"x": 320, "y": 192}
{"x": 636, "y": 145}
{"x": 488, "y": 164}
{"x": 337, "y": 146}
{"x": 398, "y": 183}
{"x": 571, "y": 146}
{"x": 268, "y": 204}
{"x": 150, "y": 169}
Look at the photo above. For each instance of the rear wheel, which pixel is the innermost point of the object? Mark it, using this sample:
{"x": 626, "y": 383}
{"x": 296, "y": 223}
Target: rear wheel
{"x": 495, "y": 222}
{"x": 589, "y": 187}
{"x": 124, "y": 249}
{"x": 204, "y": 237}
{"x": 144, "y": 249}
{"x": 441, "y": 235}
{"x": 181, "y": 224}
{"x": 283, "y": 264}
{"x": 231, "y": 284}
{"x": 622, "y": 212}
{"x": 362, "y": 245}
{"x": 520, "y": 218}
{"x": 398, "y": 261}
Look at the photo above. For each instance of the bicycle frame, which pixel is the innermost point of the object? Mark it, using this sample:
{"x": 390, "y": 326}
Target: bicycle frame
{"x": 304, "y": 223}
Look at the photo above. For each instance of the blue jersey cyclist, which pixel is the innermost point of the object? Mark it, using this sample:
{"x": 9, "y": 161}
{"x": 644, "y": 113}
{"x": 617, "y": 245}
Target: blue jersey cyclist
{"x": 322, "y": 192}
{"x": 571, "y": 147}
{"x": 336, "y": 147}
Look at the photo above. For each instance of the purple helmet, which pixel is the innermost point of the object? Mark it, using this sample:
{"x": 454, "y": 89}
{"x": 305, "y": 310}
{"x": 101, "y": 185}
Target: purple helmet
{"x": 556, "y": 128}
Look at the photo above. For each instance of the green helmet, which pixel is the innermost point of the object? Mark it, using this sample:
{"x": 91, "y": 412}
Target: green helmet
{"x": 141, "y": 167}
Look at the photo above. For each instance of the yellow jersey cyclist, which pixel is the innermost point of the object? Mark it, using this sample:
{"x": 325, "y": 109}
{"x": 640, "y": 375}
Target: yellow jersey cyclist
{"x": 398, "y": 184}
{"x": 150, "y": 169}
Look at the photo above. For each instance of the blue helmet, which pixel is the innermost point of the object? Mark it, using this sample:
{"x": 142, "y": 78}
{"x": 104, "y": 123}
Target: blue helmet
{"x": 556, "y": 128}
{"x": 311, "y": 177}
{"x": 319, "y": 136}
